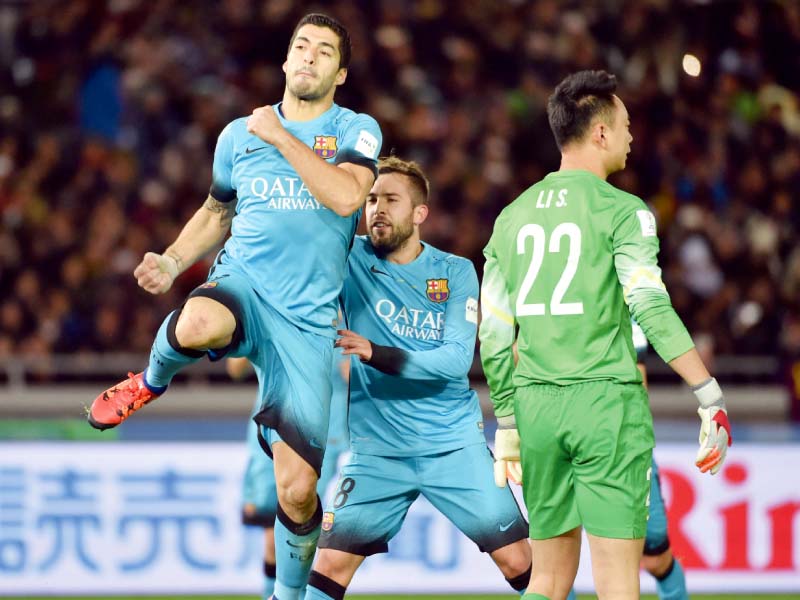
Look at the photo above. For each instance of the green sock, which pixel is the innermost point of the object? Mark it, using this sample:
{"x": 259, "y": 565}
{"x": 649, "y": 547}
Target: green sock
{"x": 534, "y": 597}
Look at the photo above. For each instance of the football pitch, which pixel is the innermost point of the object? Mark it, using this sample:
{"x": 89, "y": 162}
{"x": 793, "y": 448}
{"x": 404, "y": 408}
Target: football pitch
{"x": 406, "y": 596}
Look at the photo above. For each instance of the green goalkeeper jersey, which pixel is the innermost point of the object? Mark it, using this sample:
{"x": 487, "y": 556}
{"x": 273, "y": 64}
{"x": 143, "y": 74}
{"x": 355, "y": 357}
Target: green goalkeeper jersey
{"x": 569, "y": 262}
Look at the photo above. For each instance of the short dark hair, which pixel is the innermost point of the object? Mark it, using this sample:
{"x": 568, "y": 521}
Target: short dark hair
{"x": 576, "y": 101}
{"x": 320, "y": 20}
{"x": 419, "y": 182}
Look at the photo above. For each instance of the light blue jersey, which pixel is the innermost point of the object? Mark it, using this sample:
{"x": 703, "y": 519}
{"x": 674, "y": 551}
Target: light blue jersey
{"x": 429, "y": 310}
{"x": 289, "y": 245}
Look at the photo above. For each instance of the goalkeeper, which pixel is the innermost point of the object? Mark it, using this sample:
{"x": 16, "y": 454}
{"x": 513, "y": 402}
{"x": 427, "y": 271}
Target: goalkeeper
{"x": 569, "y": 262}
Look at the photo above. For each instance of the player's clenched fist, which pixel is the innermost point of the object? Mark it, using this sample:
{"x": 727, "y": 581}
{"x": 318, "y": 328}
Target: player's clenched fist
{"x": 156, "y": 272}
{"x": 265, "y": 124}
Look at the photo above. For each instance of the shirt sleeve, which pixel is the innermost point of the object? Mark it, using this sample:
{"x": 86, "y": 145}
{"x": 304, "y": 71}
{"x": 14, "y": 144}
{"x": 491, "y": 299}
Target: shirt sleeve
{"x": 222, "y": 188}
{"x": 497, "y": 332}
{"x": 361, "y": 143}
{"x": 635, "y": 251}
{"x": 639, "y": 341}
{"x": 453, "y": 359}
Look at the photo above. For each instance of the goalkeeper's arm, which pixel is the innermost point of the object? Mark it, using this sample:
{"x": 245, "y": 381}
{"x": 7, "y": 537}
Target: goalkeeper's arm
{"x": 715, "y": 429}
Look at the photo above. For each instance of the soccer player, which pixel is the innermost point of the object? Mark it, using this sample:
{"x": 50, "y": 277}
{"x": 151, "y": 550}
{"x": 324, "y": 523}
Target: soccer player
{"x": 569, "y": 262}
{"x": 259, "y": 493}
{"x": 658, "y": 559}
{"x": 289, "y": 181}
{"x": 415, "y": 426}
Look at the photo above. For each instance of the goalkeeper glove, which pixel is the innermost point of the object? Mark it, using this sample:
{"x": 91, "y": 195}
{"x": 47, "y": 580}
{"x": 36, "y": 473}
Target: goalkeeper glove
{"x": 506, "y": 452}
{"x": 715, "y": 429}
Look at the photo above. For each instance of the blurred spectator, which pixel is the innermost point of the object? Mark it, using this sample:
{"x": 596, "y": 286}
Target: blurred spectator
{"x": 109, "y": 113}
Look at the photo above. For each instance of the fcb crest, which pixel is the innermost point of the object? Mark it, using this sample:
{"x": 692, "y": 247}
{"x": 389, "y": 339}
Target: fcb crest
{"x": 327, "y": 521}
{"x": 438, "y": 290}
{"x": 325, "y": 146}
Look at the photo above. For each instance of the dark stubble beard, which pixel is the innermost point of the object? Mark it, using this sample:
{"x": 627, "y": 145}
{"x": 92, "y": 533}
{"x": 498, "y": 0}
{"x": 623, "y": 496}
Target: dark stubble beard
{"x": 384, "y": 245}
{"x": 309, "y": 94}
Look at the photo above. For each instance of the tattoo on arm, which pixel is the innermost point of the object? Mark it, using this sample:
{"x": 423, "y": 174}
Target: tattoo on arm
{"x": 225, "y": 210}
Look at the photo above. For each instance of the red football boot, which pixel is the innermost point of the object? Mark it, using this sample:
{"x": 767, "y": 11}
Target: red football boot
{"x": 119, "y": 402}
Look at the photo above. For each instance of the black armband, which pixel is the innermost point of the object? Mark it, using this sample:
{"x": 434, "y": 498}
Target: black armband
{"x": 356, "y": 158}
{"x": 387, "y": 359}
{"x": 220, "y": 194}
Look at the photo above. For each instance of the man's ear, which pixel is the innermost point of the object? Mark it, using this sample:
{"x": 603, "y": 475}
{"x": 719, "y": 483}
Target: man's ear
{"x": 341, "y": 76}
{"x": 598, "y": 134}
{"x": 420, "y": 214}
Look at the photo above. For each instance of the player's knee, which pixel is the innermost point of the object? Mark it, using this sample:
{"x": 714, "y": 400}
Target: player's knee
{"x": 330, "y": 564}
{"x": 201, "y": 327}
{"x": 514, "y": 559}
{"x": 657, "y": 564}
{"x": 297, "y": 492}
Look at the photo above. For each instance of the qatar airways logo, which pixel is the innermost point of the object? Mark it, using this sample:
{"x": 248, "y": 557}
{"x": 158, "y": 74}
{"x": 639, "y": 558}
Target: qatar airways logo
{"x": 411, "y": 322}
{"x": 284, "y": 193}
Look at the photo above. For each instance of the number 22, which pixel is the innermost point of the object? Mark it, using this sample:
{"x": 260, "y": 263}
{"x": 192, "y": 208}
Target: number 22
{"x": 557, "y": 307}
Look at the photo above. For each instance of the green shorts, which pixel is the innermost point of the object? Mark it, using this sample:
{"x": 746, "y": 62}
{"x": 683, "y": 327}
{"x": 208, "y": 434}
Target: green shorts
{"x": 586, "y": 453}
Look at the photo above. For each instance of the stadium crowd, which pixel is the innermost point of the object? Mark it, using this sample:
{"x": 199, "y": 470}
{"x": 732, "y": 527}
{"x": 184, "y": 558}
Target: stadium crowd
{"x": 109, "y": 113}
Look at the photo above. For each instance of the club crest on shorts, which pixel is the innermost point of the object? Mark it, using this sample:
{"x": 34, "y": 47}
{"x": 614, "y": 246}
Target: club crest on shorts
{"x": 327, "y": 521}
{"x": 208, "y": 284}
{"x": 325, "y": 146}
{"x": 438, "y": 290}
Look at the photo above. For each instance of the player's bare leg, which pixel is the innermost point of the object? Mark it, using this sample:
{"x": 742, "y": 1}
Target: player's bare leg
{"x": 615, "y": 567}
{"x": 204, "y": 323}
{"x": 555, "y": 564}
{"x": 297, "y": 526}
{"x": 333, "y": 572}
{"x": 296, "y": 481}
{"x": 269, "y": 545}
{"x": 514, "y": 562}
{"x": 657, "y": 565}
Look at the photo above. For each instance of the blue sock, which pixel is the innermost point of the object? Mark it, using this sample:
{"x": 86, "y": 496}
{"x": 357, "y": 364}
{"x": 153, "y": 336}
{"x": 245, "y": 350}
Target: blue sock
{"x": 269, "y": 580}
{"x": 295, "y": 545}
{"x": 165, "y": 357}
{"x": 571, "y": 595}
{"x": 672, "y": 584}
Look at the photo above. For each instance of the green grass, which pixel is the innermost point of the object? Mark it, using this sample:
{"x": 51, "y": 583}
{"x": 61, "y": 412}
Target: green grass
{"x": 405, "y": 597}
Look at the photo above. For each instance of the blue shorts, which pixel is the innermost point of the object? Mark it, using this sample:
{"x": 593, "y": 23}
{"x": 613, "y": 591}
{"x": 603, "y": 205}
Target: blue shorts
{"x": 293, "y": 365}
{"x": 656, "y": 540}
{"x": 259, "y": 491}
{"x": 375, "y": 492}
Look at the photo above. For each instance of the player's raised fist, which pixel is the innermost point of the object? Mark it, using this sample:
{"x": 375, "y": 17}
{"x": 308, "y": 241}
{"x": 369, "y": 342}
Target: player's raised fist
{"x": 156, "y": 272}
{"x": 265, "y": 124}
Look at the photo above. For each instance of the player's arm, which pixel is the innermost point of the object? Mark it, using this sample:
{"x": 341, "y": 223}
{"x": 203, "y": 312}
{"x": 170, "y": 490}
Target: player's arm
{"x": 451, "y": 360}
{"x": 640, "y": 345}
{"x": 204, "y": 231}
{"x": 497, "y": 335}
{"x": 635, "y": 252}
{"x": 341, "y": 187}
{"x": 498, "y": 348}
